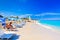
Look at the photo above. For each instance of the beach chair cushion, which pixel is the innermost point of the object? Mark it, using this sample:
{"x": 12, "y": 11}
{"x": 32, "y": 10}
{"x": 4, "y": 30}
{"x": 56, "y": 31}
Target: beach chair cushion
{"x": 6, "y": 36}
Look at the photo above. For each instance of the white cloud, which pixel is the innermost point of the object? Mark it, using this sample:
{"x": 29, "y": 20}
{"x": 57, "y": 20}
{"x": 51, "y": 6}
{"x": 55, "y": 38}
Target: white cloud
{"x": 50, "y": 14}
{"x": 50, "y": 19}
{"x": 44, "y": 14}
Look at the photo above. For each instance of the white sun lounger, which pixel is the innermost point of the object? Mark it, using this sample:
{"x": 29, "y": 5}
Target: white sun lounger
{"x": 19, "y": 25}
{"x": 6, "y": 36}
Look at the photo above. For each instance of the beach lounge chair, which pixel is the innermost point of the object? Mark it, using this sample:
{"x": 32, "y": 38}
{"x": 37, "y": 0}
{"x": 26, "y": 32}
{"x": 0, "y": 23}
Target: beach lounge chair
{"x": 6, "y": 36}
{"x": 19, "y": 25}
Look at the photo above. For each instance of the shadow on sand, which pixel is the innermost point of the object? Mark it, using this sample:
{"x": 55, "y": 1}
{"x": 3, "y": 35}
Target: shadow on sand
{"x": 15, "y": 37}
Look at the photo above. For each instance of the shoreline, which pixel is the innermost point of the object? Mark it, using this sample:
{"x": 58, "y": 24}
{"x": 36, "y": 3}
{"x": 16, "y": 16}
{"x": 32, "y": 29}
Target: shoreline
{"x": 48, "y": 27}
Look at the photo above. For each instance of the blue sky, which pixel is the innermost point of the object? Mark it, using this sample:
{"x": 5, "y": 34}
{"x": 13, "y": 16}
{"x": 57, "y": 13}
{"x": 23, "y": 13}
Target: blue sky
{"x": 18, "y": 7}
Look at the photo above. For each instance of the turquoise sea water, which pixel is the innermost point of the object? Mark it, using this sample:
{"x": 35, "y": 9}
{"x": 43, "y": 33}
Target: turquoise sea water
{"x": 55, "y": 23}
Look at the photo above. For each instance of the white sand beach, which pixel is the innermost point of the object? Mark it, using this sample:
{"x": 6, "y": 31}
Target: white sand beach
{"x": 34, "y": 31}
